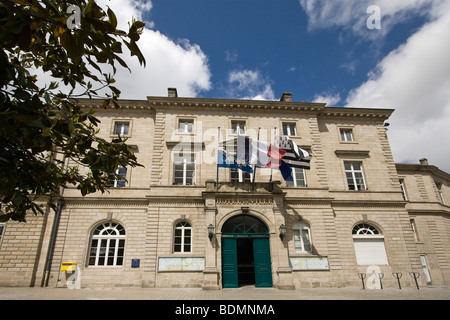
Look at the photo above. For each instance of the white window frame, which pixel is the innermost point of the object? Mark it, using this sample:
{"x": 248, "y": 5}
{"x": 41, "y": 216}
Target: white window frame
{"x": 353, "y": 173}
{"x": 301, "y": 232}
{"x": 296, "y": 179}
{"x": 110, "y": 231}
{"x": 402, "y": 186}
{"x": 439, "y": 189}
{"x": 184, "y": 163}
{"x": 240, "y": 127}
{"x": 183, "y": 126}
{"x": 122, "y": 124}
{"x": 182, "y": 226}
{"x": 241, "y": 175}
{"x": 2, "y": 230}
{"x": 366, "y": 236}
{"x": 346, "y": 135}
{"x": 117, "y": 183}
{"x": 289, "y": 129}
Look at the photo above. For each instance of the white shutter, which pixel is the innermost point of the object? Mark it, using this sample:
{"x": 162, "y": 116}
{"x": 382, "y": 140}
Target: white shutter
{"x": 370, "y": 251}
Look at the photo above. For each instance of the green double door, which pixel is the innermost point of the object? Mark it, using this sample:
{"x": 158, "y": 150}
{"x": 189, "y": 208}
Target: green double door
{"x": 246, "y": 260}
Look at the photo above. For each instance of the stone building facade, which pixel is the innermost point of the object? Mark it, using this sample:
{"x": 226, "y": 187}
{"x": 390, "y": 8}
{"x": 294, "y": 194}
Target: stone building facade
{"x": 178, "y": 221}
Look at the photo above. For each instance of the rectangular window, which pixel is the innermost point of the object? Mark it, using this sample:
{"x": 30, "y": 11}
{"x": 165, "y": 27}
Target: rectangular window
{"x": 2, "y": 227}
{"x": 242, "y": 176}
{"x": 441, "y": 196}
{"x": 402, "y": 186}
{"x": 185, "y": 126}
{"x": 302, "y": 240}
{"x": 299, "y": 180}
{"x": 414, "y": 229}
{"x": 115, "y": 182}
{"x": 238, "y": 127}
{"x": 184, "y": 169}
{"x": 355, "y": 176}
{"x": 289, "y": 129}
{"x": 346, "y": 135}
{"x": 121, "y": 128}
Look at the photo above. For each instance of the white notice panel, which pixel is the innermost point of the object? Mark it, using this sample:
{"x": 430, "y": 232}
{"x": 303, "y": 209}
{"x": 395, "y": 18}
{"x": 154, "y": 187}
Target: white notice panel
{"x": 181, "y": 264}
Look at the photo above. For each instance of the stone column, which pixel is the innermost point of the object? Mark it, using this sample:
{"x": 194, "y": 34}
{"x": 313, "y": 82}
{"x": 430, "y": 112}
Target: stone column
{"x": 211, "y": 272}
{"x": 284, "y": 271}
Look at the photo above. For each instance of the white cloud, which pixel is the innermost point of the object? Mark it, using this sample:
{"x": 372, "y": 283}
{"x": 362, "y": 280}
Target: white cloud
{"x": 328, "y": 98}
{"x": 351, "y": 15}
{"x": 170, "y": 63}
{"x": 414, "y": 79}
{"x": 249, "y": 84}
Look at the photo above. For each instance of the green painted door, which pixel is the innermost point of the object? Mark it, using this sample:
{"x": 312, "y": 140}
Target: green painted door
{"x": 263, "y": 266}
{"x": 229, "y": 263}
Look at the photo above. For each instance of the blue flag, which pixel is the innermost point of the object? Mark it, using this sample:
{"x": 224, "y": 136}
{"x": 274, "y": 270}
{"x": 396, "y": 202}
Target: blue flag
{"x": 229, "y": 160}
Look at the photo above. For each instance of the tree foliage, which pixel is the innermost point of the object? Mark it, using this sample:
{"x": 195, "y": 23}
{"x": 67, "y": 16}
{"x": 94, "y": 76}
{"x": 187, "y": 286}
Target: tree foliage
{"x": 42, "y": 127}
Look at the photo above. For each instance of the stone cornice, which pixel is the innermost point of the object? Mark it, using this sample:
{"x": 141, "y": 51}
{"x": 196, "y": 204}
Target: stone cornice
{"x": 420, "y": 168}
{"x": 154, "y": 103}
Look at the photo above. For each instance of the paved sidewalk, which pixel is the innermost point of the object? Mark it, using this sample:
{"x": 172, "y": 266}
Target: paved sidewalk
{"x": 244, "y": 293}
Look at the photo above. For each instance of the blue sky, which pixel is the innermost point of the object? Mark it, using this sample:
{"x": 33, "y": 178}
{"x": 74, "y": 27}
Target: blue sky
{"x": 272, "y": 38}
{"x": 320, "y": 50}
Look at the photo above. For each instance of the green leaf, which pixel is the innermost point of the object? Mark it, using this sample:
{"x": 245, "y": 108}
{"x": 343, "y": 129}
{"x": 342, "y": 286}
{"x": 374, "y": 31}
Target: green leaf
{"x": 112, "y": 18}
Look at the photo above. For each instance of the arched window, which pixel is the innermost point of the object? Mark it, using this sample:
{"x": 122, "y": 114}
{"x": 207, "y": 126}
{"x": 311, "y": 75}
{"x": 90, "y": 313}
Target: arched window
{"x": 107, "y": 245}
{"x": 365, "y": 229}
{"x": 302, "y": 237}
{"x": 369, "y": 245}
{"x": 244, "y": 224}
{"x": 182, "y": 237}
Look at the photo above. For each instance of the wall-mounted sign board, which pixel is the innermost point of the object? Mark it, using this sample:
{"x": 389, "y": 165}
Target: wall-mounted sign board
{"x": 309, "y": 263}
{"x": 181, "y": 264}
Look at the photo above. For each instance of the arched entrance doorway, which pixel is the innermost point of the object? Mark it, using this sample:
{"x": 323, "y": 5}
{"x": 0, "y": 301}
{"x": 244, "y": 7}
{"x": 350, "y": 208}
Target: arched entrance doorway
{"x": 245, "y": 253}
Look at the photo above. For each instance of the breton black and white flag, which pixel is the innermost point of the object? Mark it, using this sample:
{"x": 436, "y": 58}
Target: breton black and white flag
{"x": 294, "y": 156}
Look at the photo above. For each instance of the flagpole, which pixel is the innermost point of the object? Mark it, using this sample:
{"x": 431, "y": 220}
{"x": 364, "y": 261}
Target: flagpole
{"x": 217, "y": 158}
{"x": 257, "y": 157}
{"x": 270, "y": 180}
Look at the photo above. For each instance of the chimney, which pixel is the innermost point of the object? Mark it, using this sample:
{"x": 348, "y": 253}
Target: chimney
{"x": 172, "y": 92}
{"x": 286, "y": 97}
{"x": 424, "y": 161}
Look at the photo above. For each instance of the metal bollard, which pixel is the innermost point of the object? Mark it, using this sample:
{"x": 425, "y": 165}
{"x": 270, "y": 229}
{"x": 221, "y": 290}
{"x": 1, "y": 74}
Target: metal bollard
{"x": 416, "y": 276}
{"x": 380, "y": 276}
{"x": 362, "y": 276}
{"x": 398, "y": 275}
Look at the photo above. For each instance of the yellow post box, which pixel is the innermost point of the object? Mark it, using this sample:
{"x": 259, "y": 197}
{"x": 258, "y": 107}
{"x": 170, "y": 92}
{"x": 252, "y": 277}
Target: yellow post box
{"x": 68, "y": 266}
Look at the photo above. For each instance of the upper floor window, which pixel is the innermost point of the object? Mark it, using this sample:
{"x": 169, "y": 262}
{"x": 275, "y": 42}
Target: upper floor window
{"x": 2, "y": 227}
{"x": 184, "y": 169}
{"x": 346, "y": 135}
{"x": 107, "y": 245}
{"x": 289, "y": 129}
{"x": 118, "y": 182}
{"x": 302, "y": 237}
{"x": 237, "y": 127}
{"x": 402, "y": 186}
{"x": 240, "y": 175}
{"x": 355, "y": 176}
{"x": 185, "y": 125}
{"x": 439, "y": 189}
{"x": 182, "y": 237}
{"x": 122, "y": 128}
{"x": 299, "y": 180}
